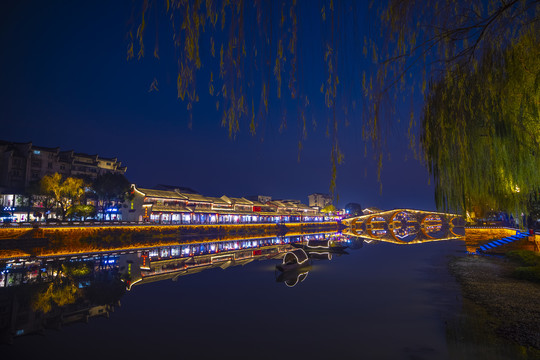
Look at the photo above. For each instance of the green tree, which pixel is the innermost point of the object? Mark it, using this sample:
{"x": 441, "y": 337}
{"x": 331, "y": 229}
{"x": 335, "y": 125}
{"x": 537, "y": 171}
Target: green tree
{"x": 81, "y": 211}
{"x": 63, "y": 192}
{"x": 470, "y": 61}
{"x": 354, "y": 209}
{"x": 481, "y": 130}
{"x": 111, "y": 187}
{"x": 407, "y": 50}
{"x": 533, "y": 206}
{"x": 328, "y": 209}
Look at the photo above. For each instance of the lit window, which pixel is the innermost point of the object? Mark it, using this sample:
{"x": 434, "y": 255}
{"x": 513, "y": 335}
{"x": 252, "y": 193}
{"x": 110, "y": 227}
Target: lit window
{"x": 37, "y": 152}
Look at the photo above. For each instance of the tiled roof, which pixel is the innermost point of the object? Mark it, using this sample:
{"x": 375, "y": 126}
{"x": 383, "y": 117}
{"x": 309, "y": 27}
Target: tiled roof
{"x": 195, "y": 197}
{"x": 164, "y": 194}
{"x": 217, "y": 200}
{"x": 241, "y": 201}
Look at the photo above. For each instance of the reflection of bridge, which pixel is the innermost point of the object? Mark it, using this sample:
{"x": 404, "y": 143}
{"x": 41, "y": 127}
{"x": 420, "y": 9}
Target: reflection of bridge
{"x": 404, "y": 226}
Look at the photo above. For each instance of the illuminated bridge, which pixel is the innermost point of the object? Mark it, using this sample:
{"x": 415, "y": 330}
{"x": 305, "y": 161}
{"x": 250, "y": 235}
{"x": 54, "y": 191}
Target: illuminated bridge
{"x": 405, "y": 226}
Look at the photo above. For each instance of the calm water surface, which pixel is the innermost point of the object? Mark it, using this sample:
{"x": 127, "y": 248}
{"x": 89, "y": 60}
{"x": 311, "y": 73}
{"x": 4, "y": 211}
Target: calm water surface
{"x": 379, "y": 301}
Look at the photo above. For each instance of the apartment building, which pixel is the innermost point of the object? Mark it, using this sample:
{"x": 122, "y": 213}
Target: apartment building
{"x": 24, "y": 163}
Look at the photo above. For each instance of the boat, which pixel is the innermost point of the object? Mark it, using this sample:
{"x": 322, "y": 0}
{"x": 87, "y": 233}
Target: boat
{"x": 293, "y": 260}
{"x": 292, "y": 278}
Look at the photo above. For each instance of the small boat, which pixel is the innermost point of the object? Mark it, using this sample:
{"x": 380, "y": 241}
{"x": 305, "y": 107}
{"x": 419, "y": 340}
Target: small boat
{"x": 292, "y": 278}
{"x": 293, "y": 260}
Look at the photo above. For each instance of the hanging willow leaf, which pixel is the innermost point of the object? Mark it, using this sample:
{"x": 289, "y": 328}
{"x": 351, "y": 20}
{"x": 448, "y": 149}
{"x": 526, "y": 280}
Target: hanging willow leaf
{"x": 481, "y": 130}
{"x": 414, "y": 48}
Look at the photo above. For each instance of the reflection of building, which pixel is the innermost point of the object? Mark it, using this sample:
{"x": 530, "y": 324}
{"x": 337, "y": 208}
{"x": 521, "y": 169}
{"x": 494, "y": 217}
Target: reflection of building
{"x": 320, "y": 200}
{"x": 100, "y": 280}
{"x": 27, "y": 287}
{"x": 18, "y": 318}
{"x": 170, "y": 262}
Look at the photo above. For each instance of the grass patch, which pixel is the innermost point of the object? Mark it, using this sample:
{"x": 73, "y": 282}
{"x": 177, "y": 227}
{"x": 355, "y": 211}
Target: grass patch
{"x": 530, "y": 265}
{"x": 524, "y": 257}
{"x": 530, "y": 273}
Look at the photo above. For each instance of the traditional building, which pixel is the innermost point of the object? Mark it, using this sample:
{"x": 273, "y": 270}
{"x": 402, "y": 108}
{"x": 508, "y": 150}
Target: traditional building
{"x": 175, "y": 207}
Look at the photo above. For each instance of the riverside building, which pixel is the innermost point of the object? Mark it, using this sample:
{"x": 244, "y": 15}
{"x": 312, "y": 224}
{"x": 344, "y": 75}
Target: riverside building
{"x": 23, "y": 164}
{"x": 176, "y": 207}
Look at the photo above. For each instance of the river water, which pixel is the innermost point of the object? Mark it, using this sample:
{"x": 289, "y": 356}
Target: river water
{"x": 375, "y": 300}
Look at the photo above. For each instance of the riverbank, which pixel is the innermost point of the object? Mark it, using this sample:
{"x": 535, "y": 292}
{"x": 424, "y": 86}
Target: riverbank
{"x": 22, "y": 242}
{"x": 497, "y": 306}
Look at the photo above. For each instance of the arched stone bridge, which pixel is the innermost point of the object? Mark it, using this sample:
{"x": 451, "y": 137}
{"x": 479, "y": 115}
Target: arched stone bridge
{"x": 405, "y": 226}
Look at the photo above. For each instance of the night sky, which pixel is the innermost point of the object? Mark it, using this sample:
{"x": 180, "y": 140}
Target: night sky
{"x": 66, "y": 82}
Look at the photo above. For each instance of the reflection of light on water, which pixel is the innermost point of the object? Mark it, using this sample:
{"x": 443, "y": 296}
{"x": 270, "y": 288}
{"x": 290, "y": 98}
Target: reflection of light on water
{"x": 265, "y": 266}
{"x": 378, "y": 232}
{"x": 402, "y": 232}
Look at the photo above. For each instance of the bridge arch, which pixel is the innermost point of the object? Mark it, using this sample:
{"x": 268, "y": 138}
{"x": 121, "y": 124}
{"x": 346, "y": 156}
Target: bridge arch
{"x": 404, "y": 226}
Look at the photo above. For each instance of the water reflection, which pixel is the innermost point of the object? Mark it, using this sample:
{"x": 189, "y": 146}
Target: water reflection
{"x": 52, "y": 292}
{"x": 297, "y": 263}
{"x": 406, "y": 226}
{"x": 292, "y": 278}
{"x": 404, "y": 230}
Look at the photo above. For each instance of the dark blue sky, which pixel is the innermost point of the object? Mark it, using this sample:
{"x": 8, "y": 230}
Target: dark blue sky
{"x": 66, "y": 82}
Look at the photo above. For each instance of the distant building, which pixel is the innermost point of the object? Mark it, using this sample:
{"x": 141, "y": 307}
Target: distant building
{"x": 319, "y": 200}
{"x": 371, "y": 210}
{"x": 91, "y": 166}
{"x": 24, "y": 163}
{"x": 263, "y": 199}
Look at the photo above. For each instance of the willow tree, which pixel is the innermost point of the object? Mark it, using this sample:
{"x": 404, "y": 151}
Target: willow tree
{"x": 249, "y": 56}
{"x": 476, "y": 66}
{"x": 378, "y": 57}
{"x": 481, "y": 130}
